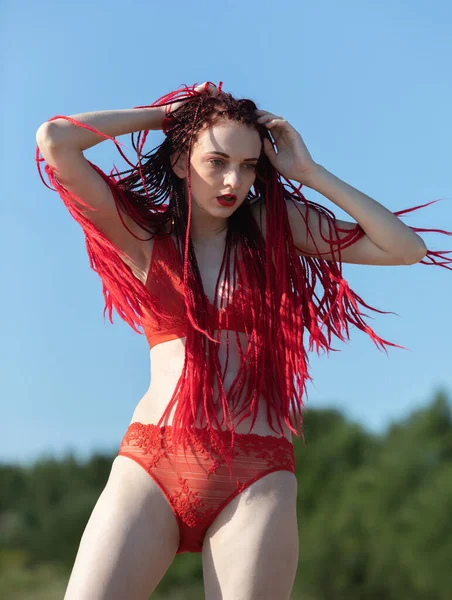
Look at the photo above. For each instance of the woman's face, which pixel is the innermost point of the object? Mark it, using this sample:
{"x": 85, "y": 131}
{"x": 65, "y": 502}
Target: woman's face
{"x": 223, "y": 161}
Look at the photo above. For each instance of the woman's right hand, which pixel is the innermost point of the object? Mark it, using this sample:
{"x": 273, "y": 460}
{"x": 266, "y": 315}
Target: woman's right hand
{"x": 205, "y": 87}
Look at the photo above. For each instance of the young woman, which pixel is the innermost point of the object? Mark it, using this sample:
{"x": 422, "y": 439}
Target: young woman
{"x": 225, "y": 268}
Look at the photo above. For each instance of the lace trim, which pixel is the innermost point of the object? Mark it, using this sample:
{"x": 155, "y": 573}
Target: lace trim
{"x": 157, "y": 441}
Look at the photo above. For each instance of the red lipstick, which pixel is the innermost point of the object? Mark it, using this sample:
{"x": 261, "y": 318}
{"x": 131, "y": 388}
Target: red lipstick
{"x": 227, "y": 200}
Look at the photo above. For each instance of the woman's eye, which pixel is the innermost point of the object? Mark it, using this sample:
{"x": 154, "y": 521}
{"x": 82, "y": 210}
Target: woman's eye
{"x": 217, "y": 162}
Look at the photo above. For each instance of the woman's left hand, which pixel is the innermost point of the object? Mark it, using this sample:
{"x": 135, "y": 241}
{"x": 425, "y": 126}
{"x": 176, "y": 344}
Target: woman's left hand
{"x": 292, "y": 158}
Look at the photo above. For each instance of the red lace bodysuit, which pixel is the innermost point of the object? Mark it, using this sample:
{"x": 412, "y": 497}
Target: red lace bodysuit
{"x": 197, "y": 483}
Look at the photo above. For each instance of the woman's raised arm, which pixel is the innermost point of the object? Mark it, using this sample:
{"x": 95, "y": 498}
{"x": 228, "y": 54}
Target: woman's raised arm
{"x": 60, "y": 130}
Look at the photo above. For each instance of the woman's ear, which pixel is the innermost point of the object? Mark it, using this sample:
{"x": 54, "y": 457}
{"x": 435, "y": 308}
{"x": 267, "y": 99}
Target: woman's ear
{"x": 179, "y": 164}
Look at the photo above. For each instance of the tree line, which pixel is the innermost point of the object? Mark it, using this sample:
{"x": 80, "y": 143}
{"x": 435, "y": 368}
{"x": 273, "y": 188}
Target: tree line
{"x": 374, "y": 513}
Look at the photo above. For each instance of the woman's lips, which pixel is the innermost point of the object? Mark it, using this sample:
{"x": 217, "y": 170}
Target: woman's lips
{"x": 227, "y": 200}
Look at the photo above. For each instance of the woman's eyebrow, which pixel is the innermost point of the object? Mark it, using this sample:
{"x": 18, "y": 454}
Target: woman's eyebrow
{"x": 226, "y": 156}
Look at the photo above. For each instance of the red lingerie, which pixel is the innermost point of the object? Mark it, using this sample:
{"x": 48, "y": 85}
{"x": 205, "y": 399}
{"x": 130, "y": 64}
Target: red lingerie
{"x": 197, "y": 483}
{"x": 165, "y": 281}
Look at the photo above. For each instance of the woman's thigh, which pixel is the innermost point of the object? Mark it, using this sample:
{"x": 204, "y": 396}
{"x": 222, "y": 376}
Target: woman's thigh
{"x": 251, "y": 549}
{"x": 129, "y": 542}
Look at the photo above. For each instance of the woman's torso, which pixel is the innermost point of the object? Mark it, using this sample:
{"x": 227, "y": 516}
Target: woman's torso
{"x": 167, "y": 358}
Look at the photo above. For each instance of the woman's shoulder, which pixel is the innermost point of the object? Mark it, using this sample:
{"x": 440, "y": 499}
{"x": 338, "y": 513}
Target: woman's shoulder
{"x": 141, "y": 268}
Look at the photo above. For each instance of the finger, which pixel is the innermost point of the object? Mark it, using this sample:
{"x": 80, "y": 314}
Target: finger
{"x": 207, "y": 86}
{"x": 277, "y": 121}
{"x": 268, "y": 117}
{"x": 210, "y": 87}
{"x": 262, "y": 112}
{"x": 265, "y": 115}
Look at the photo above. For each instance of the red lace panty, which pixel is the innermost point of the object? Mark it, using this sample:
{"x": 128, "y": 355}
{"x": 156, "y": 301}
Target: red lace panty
{"x": 198, "y": 484}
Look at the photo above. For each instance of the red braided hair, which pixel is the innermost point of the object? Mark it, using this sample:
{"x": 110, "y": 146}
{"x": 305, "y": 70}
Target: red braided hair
{"x": 288, "y": 294}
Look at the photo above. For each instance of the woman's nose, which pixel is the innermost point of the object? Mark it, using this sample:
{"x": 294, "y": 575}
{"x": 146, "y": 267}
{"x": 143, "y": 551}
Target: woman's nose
{"x": 232, "y": 179}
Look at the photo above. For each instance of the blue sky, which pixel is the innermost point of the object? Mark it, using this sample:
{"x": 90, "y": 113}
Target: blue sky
{"x": 367, "y": 86}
